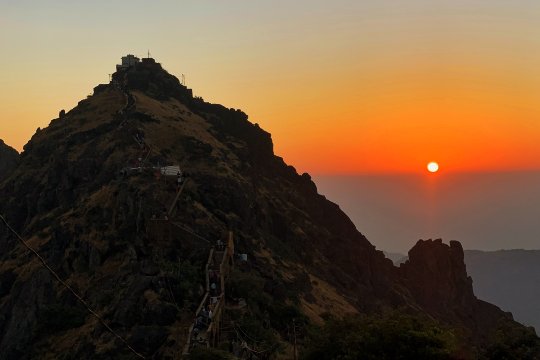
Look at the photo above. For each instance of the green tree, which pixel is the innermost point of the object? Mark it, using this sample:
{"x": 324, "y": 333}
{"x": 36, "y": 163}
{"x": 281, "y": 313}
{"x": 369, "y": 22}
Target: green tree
{"x": 209, "y": 354}
{"x": 391, "y": 336}
{"x": 512, "y": 342}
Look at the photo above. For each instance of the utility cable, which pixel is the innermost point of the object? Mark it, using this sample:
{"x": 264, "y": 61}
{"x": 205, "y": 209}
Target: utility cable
{"x": 70, "y": 289}
{"x": 181, "y": 227}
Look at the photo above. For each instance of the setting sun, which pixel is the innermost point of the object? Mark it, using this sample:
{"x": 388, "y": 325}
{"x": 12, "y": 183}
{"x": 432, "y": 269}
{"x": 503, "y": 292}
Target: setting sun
{"x": 433, "y": 167}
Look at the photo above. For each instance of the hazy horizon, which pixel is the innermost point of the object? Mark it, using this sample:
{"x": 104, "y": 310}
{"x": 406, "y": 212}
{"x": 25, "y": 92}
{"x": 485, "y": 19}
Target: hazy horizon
{"x": 484, "y": 211}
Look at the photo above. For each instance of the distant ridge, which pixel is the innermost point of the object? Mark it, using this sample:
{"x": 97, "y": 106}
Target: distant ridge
{"x": 397, "y": 258}
{"x": 510, "y": 279}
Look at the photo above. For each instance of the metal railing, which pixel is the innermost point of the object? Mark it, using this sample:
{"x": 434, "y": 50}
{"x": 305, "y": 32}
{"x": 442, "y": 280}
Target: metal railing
{"x": 214, "y": 326}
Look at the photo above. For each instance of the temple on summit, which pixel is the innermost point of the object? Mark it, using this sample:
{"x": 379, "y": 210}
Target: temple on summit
{"x": 131, "y": 60}
{"x": 127, "y": 61}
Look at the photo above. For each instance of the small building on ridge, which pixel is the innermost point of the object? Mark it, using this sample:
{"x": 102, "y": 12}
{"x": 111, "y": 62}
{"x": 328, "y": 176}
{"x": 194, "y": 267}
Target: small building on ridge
{"x": 127, "y": 62}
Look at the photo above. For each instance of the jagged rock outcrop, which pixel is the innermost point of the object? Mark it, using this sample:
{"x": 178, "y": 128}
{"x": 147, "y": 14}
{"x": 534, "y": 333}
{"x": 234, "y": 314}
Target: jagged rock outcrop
{"x": 88, "y": 192}
{"x": 435, "y": 274}
{"x": 8, "y": 160}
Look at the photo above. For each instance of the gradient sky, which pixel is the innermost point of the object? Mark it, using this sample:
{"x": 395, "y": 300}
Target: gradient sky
{"x": 343, "y": 86}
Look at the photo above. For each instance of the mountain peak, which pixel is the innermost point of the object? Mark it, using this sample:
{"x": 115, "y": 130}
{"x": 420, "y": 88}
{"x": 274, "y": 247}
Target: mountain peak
{"x": 95, "y": 196}
{"x": 148, "y": 76}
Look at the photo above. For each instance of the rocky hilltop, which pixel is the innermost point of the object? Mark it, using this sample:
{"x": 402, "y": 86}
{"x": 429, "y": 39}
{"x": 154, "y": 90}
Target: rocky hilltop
{"x": 8, "y": 159}
{"x": 94, "y": 195}
{"x": 436, "y": 275}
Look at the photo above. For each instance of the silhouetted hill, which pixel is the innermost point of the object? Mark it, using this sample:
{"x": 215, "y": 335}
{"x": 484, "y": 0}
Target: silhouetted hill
{"x": 510, "y": 279}
{"x": 8, "y": 159}
{"x": 90, "y": 197}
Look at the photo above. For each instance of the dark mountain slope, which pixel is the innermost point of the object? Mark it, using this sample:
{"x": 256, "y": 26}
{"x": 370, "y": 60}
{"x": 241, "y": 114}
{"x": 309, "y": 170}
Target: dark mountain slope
{"x": 8, "y": 159}
{"x": 88, "y": 195}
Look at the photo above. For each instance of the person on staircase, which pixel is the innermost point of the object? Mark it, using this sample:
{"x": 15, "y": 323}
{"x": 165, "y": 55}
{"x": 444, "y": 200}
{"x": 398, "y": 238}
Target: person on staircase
{"x": 179, "y": 180}
{"x": 220, "y": 245}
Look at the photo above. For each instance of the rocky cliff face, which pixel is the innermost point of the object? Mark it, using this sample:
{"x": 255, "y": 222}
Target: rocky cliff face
{"x": 87, "y": 194}
{"x": 8, "y": 159}
{"x": 436, "y": 276}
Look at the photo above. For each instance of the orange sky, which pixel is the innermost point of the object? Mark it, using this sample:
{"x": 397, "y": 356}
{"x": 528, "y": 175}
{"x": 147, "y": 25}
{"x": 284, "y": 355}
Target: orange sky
{"x": 346, "y": 87}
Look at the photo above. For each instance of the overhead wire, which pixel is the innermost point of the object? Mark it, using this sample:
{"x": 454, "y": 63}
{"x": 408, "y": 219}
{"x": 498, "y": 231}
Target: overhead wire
{"x": 70, "y": 289}
{"x": 258, "y": 352}
{"x": 183, "y": 228}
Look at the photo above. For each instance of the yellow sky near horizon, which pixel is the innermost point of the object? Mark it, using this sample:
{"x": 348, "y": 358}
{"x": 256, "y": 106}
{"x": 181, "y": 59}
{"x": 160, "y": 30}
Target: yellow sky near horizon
{"x": 347, "y": 87}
